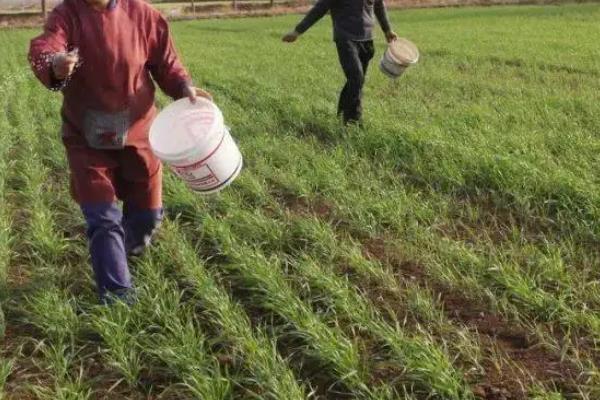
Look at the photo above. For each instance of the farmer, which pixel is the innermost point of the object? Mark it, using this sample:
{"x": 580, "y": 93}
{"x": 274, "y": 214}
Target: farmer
{"x": 103, "y": 55}
{"x": 353, "y": 23}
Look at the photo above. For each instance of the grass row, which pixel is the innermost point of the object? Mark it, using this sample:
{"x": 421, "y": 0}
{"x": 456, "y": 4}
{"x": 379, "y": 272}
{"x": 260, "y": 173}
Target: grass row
{"x": 40, "y": 303}
{"x": 5, "y": 243}
{"x": 251, "y": 245}
{"x": 264, "y": 373}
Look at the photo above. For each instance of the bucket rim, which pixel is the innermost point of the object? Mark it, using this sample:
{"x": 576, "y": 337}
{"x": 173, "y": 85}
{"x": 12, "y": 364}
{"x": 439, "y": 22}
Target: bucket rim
{"x": 187, "y": 154}
{"x": 406, "y": 62}
{"x": 218, "y": 125}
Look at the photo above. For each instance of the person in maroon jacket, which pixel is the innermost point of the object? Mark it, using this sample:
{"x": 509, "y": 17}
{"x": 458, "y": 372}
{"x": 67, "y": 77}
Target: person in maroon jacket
{"x": 104, "y": 56}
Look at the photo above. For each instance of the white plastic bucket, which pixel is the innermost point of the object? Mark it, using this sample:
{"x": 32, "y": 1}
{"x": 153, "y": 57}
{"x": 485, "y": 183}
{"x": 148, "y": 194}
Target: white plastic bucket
{"x": 400, "y": 55}
{"x": 194, "y": 141}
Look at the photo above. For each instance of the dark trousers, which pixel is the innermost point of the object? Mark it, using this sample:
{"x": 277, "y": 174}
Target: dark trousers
{"x": 354, "y": 59}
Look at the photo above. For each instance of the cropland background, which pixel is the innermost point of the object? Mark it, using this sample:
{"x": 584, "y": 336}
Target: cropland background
{"x": 447, "y": 250}
{"x": 27, "y": 13}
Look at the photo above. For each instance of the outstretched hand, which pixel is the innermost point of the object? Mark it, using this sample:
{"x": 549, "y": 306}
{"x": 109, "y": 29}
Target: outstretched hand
{"x": 63, "y": 64}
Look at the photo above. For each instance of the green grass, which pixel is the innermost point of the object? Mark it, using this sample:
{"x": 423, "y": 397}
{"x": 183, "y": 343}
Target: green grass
{"x": 448, "y": 250}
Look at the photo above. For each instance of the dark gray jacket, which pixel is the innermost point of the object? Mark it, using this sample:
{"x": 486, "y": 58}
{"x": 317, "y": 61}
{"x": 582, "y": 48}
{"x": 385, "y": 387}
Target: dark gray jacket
{"x": 352, "y": 19}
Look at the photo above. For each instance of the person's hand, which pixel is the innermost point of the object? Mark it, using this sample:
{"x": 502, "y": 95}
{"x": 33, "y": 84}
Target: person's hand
{"x": 63, "y": 64}
{"x": 291, "y": 37}
{"x": 192, "y": 92}
{"x": 391, "y": 36}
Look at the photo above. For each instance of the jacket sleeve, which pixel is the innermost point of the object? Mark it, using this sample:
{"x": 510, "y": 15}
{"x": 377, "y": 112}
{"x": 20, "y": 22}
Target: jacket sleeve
{"x": 164, "y": 64}
{"x": 316, "y": 13}
{"x": 382, "y": 17}
{"x": 53, "y": 40}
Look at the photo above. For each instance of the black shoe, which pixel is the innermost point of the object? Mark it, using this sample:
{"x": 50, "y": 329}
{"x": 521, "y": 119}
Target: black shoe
{"x": 358, "y": 123}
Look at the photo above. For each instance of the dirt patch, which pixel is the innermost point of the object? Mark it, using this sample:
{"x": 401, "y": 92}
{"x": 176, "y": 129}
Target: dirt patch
{"x": 101, "y": 379}
{"x": 318, "y": 207}
{"x": 528, "y": 361}
{"x": 18, "y": 347}
{"x": 386, "y": 252}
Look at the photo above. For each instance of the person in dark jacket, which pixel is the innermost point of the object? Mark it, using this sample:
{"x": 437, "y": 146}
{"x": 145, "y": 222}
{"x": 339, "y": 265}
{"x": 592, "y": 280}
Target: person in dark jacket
{"x": 353, "y": 23}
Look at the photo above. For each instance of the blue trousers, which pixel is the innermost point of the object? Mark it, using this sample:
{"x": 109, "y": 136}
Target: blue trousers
{"x": 114, "y": 235}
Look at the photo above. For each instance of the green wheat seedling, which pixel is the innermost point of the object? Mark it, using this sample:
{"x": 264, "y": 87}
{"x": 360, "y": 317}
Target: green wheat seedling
{"x": 268, "y": 288}
{"x": 174, "y": 337}
{"x": 263, "y": 367}
{"x": 6, "y": 239}
{"x": 423, "y": 362}
{"x": 123, "y": 352}
{"x": 6, "y": 367}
